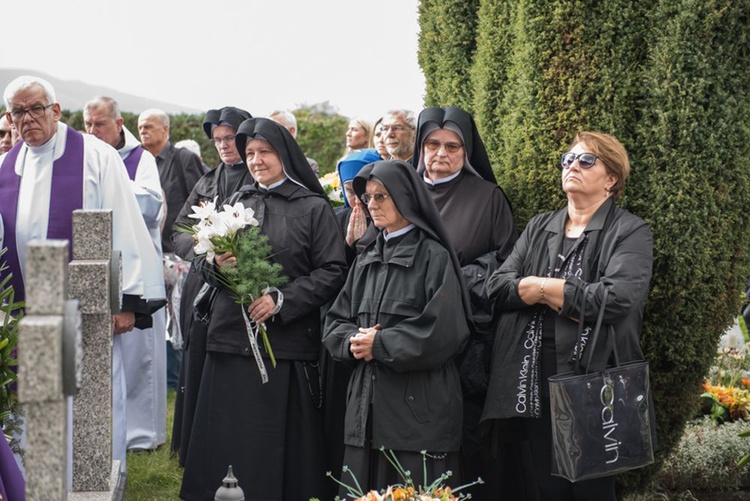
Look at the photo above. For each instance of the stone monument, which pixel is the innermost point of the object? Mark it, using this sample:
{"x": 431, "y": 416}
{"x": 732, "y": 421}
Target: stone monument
{"x": 40, "y": 368}
{"x": 95, "y": 282}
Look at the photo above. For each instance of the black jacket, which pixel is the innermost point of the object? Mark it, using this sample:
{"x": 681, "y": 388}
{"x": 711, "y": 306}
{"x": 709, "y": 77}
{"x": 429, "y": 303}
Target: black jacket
{"x": 618, "y": 257}
{"x": 305, "y": 241}
{"x": 179, "y": 170}
{"x": 412, "y": 382}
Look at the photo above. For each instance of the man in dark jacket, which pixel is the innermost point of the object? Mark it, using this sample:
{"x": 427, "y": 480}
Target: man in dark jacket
{"x": 179, "y": 170}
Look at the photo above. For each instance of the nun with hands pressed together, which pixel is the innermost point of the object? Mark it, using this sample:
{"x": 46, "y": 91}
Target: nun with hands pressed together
{"x": 400, "y": 320}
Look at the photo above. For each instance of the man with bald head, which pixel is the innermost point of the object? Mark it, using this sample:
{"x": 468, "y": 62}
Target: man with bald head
{"x": 179, "y": 170}
{"x": 143, "y": 351}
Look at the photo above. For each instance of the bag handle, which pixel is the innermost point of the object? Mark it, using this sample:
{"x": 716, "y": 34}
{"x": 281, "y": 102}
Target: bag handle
{"x": 595, "y": 336}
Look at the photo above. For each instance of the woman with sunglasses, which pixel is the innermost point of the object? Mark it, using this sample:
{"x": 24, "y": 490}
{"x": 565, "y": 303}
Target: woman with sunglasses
{"x": 563, "y": 258}
{"x": 399, "y": 321}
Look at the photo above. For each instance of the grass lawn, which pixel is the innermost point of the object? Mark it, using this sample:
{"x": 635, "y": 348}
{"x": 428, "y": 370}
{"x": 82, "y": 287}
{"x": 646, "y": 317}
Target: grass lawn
{"x": 155, "y": 475}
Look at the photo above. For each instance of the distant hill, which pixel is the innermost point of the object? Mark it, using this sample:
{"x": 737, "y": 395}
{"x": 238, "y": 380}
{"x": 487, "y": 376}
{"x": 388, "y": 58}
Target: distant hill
{"x": 73, "y": 95}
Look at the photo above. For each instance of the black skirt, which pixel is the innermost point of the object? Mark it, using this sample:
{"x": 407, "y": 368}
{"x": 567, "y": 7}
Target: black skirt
{"x": 271, "y": 434}
{"x": 191, "y": 368}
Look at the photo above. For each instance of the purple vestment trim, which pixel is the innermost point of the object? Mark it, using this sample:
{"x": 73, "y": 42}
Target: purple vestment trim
{"x": 12, "y": 484}
{"x": 131, "y": 163}
{"x": 66, "y": 196}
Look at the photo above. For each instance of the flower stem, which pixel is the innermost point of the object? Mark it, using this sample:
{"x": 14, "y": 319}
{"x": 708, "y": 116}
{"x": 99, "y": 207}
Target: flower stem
{"x": 267, "y": 343}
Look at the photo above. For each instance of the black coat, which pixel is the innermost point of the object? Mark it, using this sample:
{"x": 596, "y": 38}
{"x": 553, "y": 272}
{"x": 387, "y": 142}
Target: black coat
{"x": 618, "y": 257}
{"x": 305, "y": 241}
{"x": 412, "y": 382}
{"x": 212, "y": 185}
{"x": 179, "y": 170}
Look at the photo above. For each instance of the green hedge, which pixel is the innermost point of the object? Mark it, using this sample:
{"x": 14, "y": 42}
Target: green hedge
{"x": 671, "y": 81}
{"x": 447, "y": 42}
{"x": 695, "y": 162}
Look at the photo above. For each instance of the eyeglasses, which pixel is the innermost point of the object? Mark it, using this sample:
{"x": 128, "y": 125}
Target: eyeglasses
{"x": 585, "y": 160}
{"x": 434, "y": 145}
{"x": 218, "y": 140}
{"x": 37, "y": 111}
{"x": 378, "y": 197}
{"x": 394, "y": 128}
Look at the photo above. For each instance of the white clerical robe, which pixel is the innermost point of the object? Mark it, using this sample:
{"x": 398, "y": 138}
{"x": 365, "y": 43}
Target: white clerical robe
{"x": 144, "y": 353}
{"x": 105, "y": 186}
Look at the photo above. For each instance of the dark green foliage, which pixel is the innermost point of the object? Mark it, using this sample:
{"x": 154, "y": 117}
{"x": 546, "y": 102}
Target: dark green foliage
{"x": 321, "y": 135}
{"x": 254, "y": 271}
{"x": 696, "y": 192}
{"x": 489, "y": 75}
{"x": 670, "y": 80}
{"x": 184, "y": 126}
{"x": 570, "y": 66}
{"x": 447, "y": 42}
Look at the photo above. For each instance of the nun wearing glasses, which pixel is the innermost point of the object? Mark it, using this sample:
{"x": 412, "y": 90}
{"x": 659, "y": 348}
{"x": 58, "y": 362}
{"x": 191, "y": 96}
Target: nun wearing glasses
{"x": 451, "y": 159}
{"x": 562, "y": 259}
{"x": 400, "y": 321}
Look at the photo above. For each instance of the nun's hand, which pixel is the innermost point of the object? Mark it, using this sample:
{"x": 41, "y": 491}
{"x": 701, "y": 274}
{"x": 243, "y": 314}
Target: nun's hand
{"x": 361, "y": 343}
{"x": 357, "y": 225}
{"x": 225, "y": 260}
{"x": 261, "y": 309}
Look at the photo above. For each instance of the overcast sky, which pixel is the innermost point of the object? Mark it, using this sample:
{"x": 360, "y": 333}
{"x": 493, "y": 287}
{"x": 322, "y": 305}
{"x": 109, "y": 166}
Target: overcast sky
{"x": 361, "y": 56}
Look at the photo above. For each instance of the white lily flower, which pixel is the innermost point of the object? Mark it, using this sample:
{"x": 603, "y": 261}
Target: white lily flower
{"x": 203, "y": 211}
{"x": 237, "y": 217}
{"x": 204, "y": 243}
{"x": 218, "y": 223}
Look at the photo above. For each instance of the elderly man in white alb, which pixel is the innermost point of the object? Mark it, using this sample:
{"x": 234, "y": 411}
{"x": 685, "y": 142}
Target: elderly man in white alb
{"x": 144, "y": 353}
{"x": 56, "y": 170}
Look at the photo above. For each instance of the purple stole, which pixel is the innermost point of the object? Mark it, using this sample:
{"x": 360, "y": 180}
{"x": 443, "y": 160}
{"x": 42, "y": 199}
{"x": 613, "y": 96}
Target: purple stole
{"x": 131, "y": 163}
{"x": 66, "y": 196}
{"x": 12, "y": 485}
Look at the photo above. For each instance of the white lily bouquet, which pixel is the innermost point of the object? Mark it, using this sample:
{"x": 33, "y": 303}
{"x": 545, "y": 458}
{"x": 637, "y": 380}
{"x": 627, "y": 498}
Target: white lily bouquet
{"x": 235, "y": 229}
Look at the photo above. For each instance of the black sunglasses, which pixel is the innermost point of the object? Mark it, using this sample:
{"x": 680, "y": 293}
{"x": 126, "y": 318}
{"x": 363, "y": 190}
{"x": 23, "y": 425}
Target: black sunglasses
{"x": 585, "y": 160}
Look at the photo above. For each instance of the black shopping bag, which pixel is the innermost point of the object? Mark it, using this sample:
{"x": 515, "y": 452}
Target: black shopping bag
{"x": 601, "y": 421}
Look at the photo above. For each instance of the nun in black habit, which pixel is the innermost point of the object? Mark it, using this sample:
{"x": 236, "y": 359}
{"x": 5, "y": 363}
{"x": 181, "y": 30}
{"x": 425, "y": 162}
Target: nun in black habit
{"x": 271, "y": 434}
{"x": 451, "y": 159}
{"x": 219, "y": 183}
{"x": 400, "y": 320}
